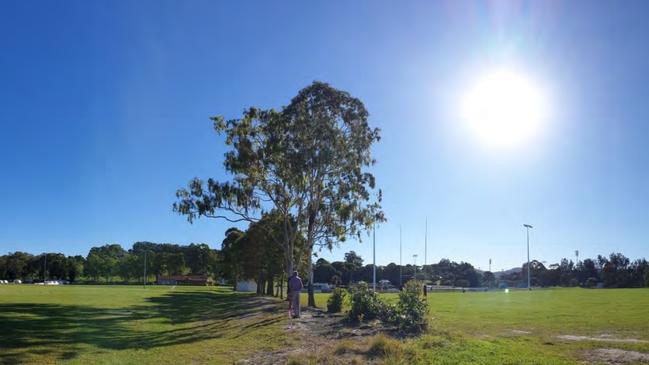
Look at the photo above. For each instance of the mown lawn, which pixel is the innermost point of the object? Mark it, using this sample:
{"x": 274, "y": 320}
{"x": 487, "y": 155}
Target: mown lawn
{"x": 521, "y": 327}
{"x": 165, "y": 325}
{"x": 132, "y": 325}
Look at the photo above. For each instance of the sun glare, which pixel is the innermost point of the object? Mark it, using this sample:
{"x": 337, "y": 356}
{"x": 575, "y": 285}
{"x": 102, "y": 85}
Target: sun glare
{"x": 504, "y": 108}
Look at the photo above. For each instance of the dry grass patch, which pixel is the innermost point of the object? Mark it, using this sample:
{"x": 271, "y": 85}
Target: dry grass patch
{"x": 383, "y": 346}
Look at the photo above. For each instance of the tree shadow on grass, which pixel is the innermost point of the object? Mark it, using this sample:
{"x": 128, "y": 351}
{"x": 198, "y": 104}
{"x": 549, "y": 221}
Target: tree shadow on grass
{"x": 61, "y": 332}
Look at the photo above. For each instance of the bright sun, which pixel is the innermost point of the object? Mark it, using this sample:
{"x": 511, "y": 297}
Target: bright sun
{"x": 504, "y": 108}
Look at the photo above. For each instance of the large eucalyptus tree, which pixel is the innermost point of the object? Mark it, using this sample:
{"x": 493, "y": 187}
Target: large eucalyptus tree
{"x": 307, "y": 162}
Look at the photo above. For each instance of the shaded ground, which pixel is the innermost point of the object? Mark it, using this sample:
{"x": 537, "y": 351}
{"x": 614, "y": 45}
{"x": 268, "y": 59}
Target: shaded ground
{"x": 45, "y": 332}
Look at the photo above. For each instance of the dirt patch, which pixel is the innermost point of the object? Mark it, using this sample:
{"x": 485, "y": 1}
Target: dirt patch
{"x": 601, "y": 338}
{"x": 519, "y": 332}
{"x": 317, "y": 335}
{"x": 616, "y": 356}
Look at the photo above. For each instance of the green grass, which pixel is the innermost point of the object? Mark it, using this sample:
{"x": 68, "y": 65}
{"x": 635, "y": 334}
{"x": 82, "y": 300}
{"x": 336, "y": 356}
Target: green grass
{"x": 164, "y": 325}
{"x": 132, "y": 325}
{"x": 522, "y": 326}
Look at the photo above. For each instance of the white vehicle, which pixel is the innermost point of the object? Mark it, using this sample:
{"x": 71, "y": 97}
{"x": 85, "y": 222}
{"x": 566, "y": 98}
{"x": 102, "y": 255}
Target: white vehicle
{"x": 318, "y": 288}
{"x": 17, "y": 281}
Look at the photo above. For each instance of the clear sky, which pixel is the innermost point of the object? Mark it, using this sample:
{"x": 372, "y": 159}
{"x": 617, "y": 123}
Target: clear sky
{"x": 104, "y": 110}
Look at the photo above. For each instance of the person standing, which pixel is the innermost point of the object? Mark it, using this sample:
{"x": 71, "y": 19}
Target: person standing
{"x": 294, "y": 288}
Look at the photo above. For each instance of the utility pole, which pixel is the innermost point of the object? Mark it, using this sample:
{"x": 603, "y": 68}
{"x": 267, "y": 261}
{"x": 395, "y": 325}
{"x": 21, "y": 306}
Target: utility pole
{"x": 527, "y": 226}
{"x": 374, "y": 259}
{"x": 577, "y": 257}
{"x": 489, "y": 265}
{"x": 400, "y": 261}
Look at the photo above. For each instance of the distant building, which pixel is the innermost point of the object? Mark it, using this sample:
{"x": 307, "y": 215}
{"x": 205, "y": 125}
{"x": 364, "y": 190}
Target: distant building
{"x": 247, "y": 286}
{"x": 184, "y": 280}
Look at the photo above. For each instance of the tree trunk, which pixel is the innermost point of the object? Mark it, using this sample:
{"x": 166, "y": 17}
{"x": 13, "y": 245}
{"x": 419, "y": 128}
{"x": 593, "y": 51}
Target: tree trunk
{"x": 269, "y": 285}
{"x": 311, "y": 301}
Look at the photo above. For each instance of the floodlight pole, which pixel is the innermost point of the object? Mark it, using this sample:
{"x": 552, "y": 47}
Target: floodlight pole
{"x": 426, "y": 243}
{"x": 527, "y": 227}
{"x": 374, "y": 258}
{"x": 400, "y": 261}
{"x": 414, "y": 259}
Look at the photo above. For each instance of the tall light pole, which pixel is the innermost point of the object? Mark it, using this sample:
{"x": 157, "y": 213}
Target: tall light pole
{"x": 576, "y": 257}
{"x": 426, "y": 243}
{"x": 400, "y": 261}
{"x": 527, "y": 227}
{"x": 374, "y": 258}
{"x": 414, "y": 258}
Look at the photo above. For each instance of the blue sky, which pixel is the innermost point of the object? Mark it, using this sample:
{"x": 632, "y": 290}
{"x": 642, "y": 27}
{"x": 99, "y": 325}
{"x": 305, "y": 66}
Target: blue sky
{"x": 105, "y": 110}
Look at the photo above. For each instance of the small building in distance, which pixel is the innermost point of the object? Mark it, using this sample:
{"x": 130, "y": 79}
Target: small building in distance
{"x": 184, "y": 280}
{"x": 246, "y": 286}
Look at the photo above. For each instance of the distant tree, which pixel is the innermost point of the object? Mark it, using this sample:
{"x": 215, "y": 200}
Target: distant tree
{"x": 353, "y": 263}
{"x": 104, "y": 261}
{"x": 488, "y": 279}
{"x": 75, "y": 266}
{"x": 17, "y": 266}
{"x": 323, "y": 271}
{"x": 462, "y": 283}
{"x": 391, "y": 273}
{"x": 591, "y": 282}
{"x": 230, "y": 263}
{"x": 586, "y": 269}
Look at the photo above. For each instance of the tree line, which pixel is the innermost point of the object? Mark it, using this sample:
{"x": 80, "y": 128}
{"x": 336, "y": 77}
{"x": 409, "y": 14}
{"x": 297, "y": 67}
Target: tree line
{"x": 614, "y": 271}
{"x": 254, "y": 254}
{"x": 112, "y": 263}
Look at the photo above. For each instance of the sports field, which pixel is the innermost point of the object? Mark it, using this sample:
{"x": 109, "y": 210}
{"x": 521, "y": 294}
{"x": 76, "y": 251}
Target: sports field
{"x": 121, "y": 324}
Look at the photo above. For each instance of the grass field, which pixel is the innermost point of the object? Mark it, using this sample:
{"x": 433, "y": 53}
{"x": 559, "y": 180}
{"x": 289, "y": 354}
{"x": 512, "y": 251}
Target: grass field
{"x": 131, "y": 325}
{"x": 113, "y": 324}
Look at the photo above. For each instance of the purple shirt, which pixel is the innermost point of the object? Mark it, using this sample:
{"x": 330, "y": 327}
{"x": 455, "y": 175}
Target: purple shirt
{"x": 295, "y": 283}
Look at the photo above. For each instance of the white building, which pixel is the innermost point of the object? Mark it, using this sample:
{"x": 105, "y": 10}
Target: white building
{"x": 247, "y": 286}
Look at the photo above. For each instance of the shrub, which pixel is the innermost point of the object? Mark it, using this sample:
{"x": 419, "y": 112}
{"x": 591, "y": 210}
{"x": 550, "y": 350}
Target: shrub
{"x": 412, "y": 308}
{"x": 364, "y": 303}
{"x": 335, "y": 301}
{"x": 573, "y": 282}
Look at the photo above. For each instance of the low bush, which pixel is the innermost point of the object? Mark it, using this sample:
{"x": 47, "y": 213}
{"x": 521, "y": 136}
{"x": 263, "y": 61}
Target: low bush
{"x": 412, "y": 308}
{"x": 364, "y": 303}
{"x": 335, "y": 301}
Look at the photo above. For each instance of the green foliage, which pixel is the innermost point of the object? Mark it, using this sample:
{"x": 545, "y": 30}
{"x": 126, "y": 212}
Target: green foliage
{"x": 335, "y": 301}
{"x": 364, "y": 303}
{"x": 462, "y": 283}
{"x": 412, "y": 308}
{"x": 591, "y": 282}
